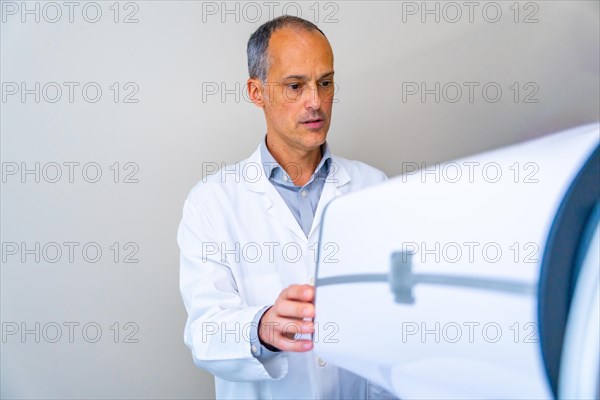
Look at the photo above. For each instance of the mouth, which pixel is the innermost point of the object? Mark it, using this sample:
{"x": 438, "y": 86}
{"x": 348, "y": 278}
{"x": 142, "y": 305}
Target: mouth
{"x": 315, "y": 123}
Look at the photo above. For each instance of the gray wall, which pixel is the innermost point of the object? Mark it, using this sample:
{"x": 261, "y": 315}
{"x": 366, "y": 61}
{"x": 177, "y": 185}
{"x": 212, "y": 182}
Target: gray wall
{"x": 168, "y": 122}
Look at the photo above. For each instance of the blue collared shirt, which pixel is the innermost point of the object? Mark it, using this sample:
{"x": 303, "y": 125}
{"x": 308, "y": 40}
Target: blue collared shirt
{"x": 302, "y": 202}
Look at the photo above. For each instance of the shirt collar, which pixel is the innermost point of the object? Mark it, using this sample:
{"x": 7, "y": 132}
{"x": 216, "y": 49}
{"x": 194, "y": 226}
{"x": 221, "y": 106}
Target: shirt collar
{"x": 272, "y": 168}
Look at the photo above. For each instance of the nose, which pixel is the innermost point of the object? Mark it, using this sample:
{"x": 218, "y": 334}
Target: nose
{"x": 313, "y": 99}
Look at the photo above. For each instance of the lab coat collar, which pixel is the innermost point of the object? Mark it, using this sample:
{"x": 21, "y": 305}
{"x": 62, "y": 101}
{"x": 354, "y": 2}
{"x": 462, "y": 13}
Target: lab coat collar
{"x": 275, "y": 205}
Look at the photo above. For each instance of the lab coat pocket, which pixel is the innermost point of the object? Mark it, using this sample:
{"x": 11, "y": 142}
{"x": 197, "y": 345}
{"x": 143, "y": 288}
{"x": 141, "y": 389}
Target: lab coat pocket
{"x": 262, "y": 285}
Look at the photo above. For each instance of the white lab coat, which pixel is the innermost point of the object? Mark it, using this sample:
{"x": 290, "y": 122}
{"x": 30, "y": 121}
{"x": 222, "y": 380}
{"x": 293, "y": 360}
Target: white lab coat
{"x": 240, "y": 246}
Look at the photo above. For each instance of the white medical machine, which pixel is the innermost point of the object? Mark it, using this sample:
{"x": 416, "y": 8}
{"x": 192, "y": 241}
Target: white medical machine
{"x": 474, "y": 278}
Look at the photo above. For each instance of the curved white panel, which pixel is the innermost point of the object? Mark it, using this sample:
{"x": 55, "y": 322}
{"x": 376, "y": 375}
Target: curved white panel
{"x": 476, "y": 228}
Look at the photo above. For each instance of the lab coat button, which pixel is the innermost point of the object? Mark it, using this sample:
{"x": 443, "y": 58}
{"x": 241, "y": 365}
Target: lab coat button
{"x": 254, "y": 349}
{"x": 311, "y": 281}
{"x": 321, "y": 362}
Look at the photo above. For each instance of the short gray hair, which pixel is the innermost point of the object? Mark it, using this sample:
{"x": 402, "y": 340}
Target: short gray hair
{"x": 257, "y": 50}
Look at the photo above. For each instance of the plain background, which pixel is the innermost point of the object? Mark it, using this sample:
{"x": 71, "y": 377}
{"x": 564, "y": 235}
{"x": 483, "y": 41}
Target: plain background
{"x": 186, "y": 63}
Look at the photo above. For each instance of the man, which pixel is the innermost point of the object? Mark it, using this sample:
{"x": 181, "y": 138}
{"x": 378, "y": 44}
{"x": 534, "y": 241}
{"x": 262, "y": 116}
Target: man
{"x": 249, "y": 233}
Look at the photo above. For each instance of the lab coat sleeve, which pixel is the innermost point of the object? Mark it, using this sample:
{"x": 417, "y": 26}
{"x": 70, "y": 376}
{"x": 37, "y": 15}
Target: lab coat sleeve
{"x": 219, "y": 321}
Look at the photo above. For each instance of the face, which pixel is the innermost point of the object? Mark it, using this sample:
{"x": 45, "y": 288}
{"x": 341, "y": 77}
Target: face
{"x": 298, "y": 95}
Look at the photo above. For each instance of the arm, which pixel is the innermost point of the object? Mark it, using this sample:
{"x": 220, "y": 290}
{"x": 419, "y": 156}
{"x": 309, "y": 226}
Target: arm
{"x": 219, "y": 321}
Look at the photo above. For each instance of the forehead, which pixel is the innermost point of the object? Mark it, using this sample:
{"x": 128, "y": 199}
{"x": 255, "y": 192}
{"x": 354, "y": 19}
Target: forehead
{"x": 298, "y": 51}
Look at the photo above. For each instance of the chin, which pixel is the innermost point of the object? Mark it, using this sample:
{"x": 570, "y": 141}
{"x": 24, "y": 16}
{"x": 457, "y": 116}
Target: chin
{"x": 316, "y": 139}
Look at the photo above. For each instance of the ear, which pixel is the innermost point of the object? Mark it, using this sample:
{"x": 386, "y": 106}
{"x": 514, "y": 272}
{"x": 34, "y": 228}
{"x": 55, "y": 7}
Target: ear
{"x": 255, "y": 92}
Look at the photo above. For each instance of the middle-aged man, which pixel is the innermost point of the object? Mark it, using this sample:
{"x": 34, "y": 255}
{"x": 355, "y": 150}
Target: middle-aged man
{"x": 249, "y": 233}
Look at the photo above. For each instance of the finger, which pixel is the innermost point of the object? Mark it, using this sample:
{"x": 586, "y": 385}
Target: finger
{"x": 284, "y": 343}
{"x": 304, "y": 293}
{"x": 294, "y": 309}
{"x": 286, "y": 326}
{"x": 291, "y": 327}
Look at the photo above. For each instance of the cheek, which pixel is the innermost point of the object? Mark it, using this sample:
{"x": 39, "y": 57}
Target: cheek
{"x": 289, "y": 113}
{"x": 282, "y": 115}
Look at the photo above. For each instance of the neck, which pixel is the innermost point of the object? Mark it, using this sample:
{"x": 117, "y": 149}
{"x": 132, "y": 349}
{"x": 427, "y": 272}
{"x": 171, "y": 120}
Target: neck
{"x": 299, "y": 164}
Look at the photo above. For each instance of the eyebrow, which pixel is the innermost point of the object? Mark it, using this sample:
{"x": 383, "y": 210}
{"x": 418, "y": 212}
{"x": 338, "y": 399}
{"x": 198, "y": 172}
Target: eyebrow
{"x": 304, "y": 77}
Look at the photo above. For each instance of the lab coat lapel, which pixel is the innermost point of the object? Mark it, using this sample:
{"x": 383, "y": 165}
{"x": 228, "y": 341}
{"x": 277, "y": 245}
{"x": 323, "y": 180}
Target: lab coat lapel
{"x": 335, "y": 185}
{"x": 272, "y": 200}
{"x": 280, "y": 210}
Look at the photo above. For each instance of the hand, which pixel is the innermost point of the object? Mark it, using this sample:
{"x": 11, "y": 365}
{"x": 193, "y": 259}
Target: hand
{"x": 285, "y": 318}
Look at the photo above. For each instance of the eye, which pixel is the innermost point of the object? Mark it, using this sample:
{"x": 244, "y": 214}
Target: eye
{"x": 293, "y": 86}
{"x": 327, "y": 84}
